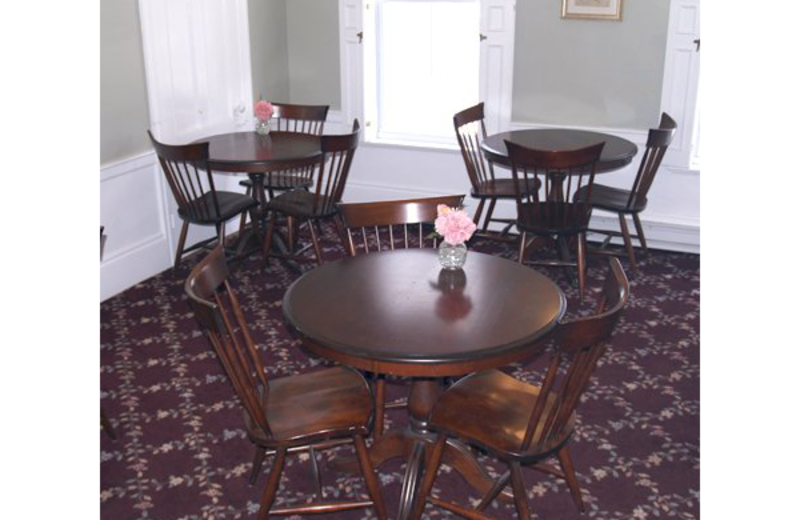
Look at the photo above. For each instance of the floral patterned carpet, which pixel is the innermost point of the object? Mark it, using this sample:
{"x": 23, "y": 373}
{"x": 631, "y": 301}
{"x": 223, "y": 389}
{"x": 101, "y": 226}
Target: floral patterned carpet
{"x": 182, "y": 452}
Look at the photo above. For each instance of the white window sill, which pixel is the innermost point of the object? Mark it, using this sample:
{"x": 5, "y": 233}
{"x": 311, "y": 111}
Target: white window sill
{"x": 410, "y": 145}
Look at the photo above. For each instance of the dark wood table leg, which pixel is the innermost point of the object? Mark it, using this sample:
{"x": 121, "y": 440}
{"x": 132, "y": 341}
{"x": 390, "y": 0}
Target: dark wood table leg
{"x": 411, "y": 444}
{"x": 277, "y": 240}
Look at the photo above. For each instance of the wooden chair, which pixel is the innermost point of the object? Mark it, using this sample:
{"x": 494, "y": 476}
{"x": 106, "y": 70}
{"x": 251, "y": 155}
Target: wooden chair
{"x": 304, "y": 119}
{"x": 553, "y": 216}
{"x": 523, "y": 424}
{"x": 199, "y": 202}
{"x": 319, "y": 204}
{"x": 634, "y": 201}
{"x": 368, "y": 225}
{"x": 285, "y": 415}
{"x": 470, "y": 132}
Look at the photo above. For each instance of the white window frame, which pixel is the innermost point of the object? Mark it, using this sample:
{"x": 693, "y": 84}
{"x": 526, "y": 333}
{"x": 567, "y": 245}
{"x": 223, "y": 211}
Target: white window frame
{"x": 679, "y": 95}
{"x": 357, "y": 38}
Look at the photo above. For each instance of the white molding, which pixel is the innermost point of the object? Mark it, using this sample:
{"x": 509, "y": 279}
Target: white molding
{"x": 132, "y": 210}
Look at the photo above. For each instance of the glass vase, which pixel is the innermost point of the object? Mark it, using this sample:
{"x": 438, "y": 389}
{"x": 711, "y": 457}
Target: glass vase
{"x": 262, "y": 127}
{"x": 452, "y": 256}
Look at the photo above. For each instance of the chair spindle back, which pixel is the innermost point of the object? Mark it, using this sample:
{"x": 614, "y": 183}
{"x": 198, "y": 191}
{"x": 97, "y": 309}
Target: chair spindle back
{"x": 189, "y": 178}
{"x": 371, "y": 222}
{"x": 579, "y": 345}
{"x": 575, "y": 168}
{"x": 658, "y": 140}
{"x": 334, "y": 167}
{"x": 304, "y": 119}
{"x": 220, "y": 316}
{"x": 470, "y": 132}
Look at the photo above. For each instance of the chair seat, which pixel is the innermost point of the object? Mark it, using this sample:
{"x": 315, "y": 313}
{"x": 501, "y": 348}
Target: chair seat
{"x": 611, "y": 199}
{"x": 492, "y": 409}
{"x": 302, "y": 204}
{"x": 326, "y": 403}
{"x": 502, "y": 189}
{"x": 281, "y": 182}
{"x": 548, "y": 218}
{"x": 230, "y": 205}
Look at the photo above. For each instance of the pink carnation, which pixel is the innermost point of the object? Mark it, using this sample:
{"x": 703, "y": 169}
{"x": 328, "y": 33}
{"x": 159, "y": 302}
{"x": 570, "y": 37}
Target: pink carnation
{"x": 264, "y": 110}
{"x": 454, "y": 225}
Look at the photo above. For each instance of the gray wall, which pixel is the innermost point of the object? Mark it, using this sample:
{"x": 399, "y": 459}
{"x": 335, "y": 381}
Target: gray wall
{"x": 268, "y": 49}
{"x": 589, "y": 72}
{"x": 314, "y": 52}
{"x": 124, "y": 116}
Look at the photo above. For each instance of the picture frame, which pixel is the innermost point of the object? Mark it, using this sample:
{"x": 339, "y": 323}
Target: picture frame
{"x": 592, "y": 9}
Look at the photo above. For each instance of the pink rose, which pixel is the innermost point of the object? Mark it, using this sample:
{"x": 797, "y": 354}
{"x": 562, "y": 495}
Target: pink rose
{"x": 264, "y": 110}
{"x": 454, "y": 225}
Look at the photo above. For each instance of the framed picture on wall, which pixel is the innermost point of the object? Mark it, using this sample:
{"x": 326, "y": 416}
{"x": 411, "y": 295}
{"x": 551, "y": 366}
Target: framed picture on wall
{"x": 592, "y": 9}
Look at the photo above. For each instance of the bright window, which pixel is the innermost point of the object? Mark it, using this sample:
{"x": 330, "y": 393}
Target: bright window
{"x": 427, "y": 63}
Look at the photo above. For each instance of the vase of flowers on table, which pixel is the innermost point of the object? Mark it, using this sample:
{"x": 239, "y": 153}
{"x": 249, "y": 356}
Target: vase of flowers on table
{"x": 263, "y": 111}
{"x": 455, "y": 227}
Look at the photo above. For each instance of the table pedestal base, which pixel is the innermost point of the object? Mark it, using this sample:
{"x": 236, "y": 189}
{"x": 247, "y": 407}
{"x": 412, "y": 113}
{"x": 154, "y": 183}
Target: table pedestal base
{"x": 412, "y": 444}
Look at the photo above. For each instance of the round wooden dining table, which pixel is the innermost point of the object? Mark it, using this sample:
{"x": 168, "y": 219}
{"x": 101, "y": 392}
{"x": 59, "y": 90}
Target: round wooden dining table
{"x": 617, "y": 152}
{"x": 399, "y": 313}
{"x": 258, "y": 155}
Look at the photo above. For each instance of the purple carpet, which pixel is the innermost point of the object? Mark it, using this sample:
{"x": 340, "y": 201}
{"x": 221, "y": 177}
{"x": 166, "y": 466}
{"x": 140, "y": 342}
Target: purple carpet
{"x": 182, "y": 452}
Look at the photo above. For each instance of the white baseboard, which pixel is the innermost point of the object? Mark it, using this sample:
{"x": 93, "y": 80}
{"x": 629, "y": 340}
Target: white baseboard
{"x": 662, "y": 232}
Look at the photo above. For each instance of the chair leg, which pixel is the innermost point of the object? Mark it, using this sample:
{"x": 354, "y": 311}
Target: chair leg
{"x": 523, "y": 237}
{"x": 572, "y": 481}
{"x": 370, "y": 479}
{"x": 243, "y": 218}
{"x": 581, "y": 257}
{"x": 431, "y": 469}
{"x": 221, "y": 233}
{"x": 478, "y": 212}
{"x": 489, "y": 214}
{"x": 107, "y": 427}
{"x": 520, "y": 496}
{"x": 290, "y": 234}
{"x": 181, "y": 243}
{"x": 315, "y": 242}
{"x": 268, "y": 239}
{"x": 496, "y": 489}
{"x": 380, "y": 407}
{"x": 626, "y": 237}
{"x": 258, "y": 461}
{"x": 340, "y": 230}
{"x": 256, "y": 226}
{"x": 640, "y": 233}
{"x": 272, "y": 485}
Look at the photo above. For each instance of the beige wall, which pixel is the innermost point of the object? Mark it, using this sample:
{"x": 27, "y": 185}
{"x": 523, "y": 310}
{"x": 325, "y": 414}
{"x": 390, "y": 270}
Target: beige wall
{"x": 568, "y": 72}
{"x": 124, "y": 117}
{"x": 589, "y": 72}
{"x": 268, "y": 49}
{"x": 314, "y": 52}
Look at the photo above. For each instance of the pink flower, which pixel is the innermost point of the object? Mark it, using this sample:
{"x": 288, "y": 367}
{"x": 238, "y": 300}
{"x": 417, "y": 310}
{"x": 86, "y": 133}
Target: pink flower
{"x": 264, "y": 110}
{"x": 454, "y": 225}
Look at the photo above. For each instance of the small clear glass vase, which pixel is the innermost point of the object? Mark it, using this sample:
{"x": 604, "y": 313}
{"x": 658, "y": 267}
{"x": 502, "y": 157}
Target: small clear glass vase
{"x": 452, "y": 256}
{"x": 262, "y": 127}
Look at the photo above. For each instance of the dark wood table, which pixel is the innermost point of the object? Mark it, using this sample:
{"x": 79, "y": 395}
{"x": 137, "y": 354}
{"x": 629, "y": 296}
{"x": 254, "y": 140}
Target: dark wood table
{"x": 399, "y": 313}
{"x": 258, "y": 155}
{"x": 617, "y": 153}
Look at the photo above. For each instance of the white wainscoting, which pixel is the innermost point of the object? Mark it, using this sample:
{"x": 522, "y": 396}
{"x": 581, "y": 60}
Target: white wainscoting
{"x": 132, "y": 211}
{"x": 385, "y": 172}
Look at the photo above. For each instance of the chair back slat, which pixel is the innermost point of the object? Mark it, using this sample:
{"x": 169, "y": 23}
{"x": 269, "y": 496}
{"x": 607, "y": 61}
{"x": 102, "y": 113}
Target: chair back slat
{"x": 575, "y": 168}
{"x": 579, "y": 345}
{"x": 304, "y": 119}
{"x": 219, "y": 314}
{"x": 189, "y": 178}
{"x": 375, "y": 218}
{"x": 333, "y": 168}
{"x": 470, "y": 133}
{"x": 658, "y": 140}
